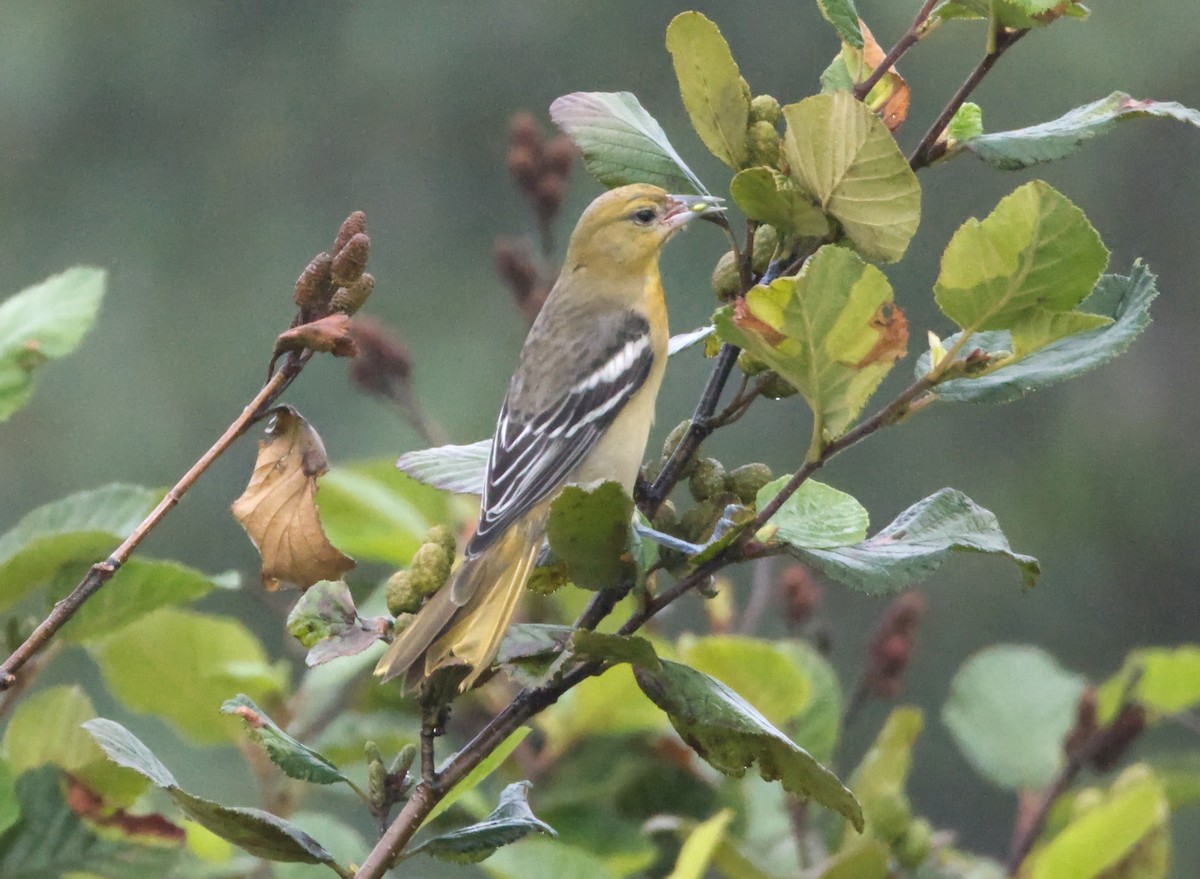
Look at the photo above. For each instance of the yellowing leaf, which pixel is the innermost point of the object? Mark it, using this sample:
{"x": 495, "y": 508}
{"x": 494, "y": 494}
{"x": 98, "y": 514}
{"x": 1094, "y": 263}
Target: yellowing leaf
{"x": 711, "y": 86}
{"x": 889, "y": 97}
{"x": 278, "y": 510}
{"x": 1024, "y": 268}
{"x": 832, "y": 331}
{"x": 845, "y": 157}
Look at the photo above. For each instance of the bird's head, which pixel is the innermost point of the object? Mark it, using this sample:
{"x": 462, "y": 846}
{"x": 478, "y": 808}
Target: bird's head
{"x": 625, "y": 228}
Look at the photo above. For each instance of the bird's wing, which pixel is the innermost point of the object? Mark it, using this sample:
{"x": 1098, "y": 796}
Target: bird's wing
{"x": 534, "y": 452}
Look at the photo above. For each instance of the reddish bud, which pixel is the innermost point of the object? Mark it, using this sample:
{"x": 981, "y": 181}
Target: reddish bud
{"x": 892, "y": 645}
{"x": 523, "y": 131}
{"x": 560, "y": 156}
{"x": 524, "y": 166}
{"x": 354, "y": 224}
{"x": 516, "y": 267}
{"x": 801, "y": 593}
{"x": 349, "y": 262}
{"x": 1085, "y": 724}
{"x": 1116, "y": 738}
{"x": 548, "y": 196}
{"x": 382, "y": 365}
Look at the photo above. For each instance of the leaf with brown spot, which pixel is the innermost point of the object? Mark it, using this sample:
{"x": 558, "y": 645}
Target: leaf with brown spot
{"x": 892, "y": 343}
{"x": 329, "y": 334}
{"x": 278, "y": 508}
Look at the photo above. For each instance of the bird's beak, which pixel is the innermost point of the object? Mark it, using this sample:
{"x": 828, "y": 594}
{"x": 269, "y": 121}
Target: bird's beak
{"x": 682, "y": 208}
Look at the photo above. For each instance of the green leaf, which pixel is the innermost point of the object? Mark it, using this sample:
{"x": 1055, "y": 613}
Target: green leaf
{"x": 296, "y": 759}
{"x": 43, "y": 323}
{"x": 1023, "y": 148}
{"x": 867, "y": 859}
{"x": 139, "y": 587}
{"x": 816, "y": 516}
{"x": 541, "y": 859}
{"x": 260, "y": 833}
{"x": 700, "y": 847}
{"x": 1034, "y": 13}
{"x": 832, "y": 331}
{"x": 1107, "y": 834}
{"x": 880, "y": 778}
{"x": 589, "y": 530}
{"x": 325, "y": 620}
{"x": 731, "y": 735}
{"x": 343, "y": 841}
{"x": 1123, "y": 300}
{"x": 614, "y": 648}
{"x": 181, "y": 665}
{"x": 371, "y": 511}
{"x": 587, "y": 710}
{"x": 966, "y": 123}
{"x": 711, "y": 86}
{"x": 1165, "y": 680}
{"x": 1024, "y": 269}
{"x": 84, "y": 527}
{"x": 764, "y": 673}
{"x": 844, "y": 18}
{"x": 621, "y": 142}
{"x": 52, "y": 840}
{"x": 1180, "y": 776}
{"x": 10, "y": 805}
{"x": 817, "y": 724}
{"x": 460, "y": 469}
{"x": 765, "y": 195}
{"x": 1009, "y": 709}
{"x": 512, "y": 820}
{"x": 843, "y": 155}
{"x": 476, "y": 776}
{"x": 916, "y": 543}
{"x": 47, "y": 729}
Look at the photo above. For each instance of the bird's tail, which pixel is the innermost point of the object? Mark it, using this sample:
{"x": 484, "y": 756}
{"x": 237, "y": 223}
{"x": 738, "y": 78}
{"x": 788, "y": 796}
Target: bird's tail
{"x": 467, "y": 618}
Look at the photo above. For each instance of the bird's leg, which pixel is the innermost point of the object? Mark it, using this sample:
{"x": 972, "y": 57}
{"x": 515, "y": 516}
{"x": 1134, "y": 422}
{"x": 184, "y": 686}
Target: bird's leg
{"x": 668, "y": 540}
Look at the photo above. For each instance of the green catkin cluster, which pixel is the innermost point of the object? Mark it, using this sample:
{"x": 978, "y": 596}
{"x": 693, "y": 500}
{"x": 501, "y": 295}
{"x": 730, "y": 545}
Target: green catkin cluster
{"x": 426, "y": 574}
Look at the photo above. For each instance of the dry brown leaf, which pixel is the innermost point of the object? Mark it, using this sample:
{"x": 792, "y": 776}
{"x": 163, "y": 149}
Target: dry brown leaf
{"x": 278, "y": 508}
{"x": 331, "y": 333}
{"x": 892, "y": 326}
{"x": 890, "y": 97}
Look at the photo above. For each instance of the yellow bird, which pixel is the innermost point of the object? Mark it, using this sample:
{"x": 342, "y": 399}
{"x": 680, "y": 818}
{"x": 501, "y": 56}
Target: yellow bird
{"x": 578, "y": 410}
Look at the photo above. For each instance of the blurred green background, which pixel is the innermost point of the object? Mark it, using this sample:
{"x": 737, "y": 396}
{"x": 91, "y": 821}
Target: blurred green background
{"x": 202, "y": 152}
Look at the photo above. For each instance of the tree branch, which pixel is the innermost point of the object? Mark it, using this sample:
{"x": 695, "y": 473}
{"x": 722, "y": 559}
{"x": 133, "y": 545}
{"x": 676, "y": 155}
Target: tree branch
{"x": 905, "y": 43}
{"x": 101, "y": 572}
{"x": 928, "y": 150}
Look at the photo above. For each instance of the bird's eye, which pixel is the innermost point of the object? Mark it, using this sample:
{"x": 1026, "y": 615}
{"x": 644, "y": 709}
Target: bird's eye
{"x": 645, "y": 216}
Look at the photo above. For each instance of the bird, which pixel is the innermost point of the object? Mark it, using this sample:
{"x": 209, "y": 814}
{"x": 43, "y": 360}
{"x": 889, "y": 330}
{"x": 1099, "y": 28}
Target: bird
{"x": 578, "y": 411}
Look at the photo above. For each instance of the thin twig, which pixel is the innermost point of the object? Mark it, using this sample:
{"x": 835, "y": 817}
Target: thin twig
{"x": 697, "y": 431}
{"x": 902, "y": 45}
{"x": 101, "y": 572}
{"x": 762, "y": 588}
{"x": 925, "y": 151}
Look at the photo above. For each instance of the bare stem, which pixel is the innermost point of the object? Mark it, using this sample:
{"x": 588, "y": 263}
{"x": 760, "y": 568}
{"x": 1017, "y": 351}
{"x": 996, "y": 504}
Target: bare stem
{"x": 905, "y": 43}
{"x": 928, "y": 149}
{"x": 101, "y": 572}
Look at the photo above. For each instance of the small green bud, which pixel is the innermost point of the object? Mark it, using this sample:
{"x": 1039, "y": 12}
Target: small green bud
{"x": 666, "y": 519}
{"x": 764, "y": 108}
{"x": 696, "y": 525}
{"x": 890, "y": 816}
{"x": 915, "y": 846}
{"x": 749, "y": 364}
{"x": 777, "y": 387}
{"x": 650, "y": 471}
{"x": 547, "y": 579}
{"x": 401, "y": 596}
{"x": 376, "y": 775}
{"x": 443, "y": 537}
{"x": 707, "y": 479}
{"x": 745, "y": 481}
{"x": 726, "y": 279}
{"x": 766, "y": 239}
{"x": 429, "y": 568}
{"x": 966, "y": 123}
{"x": 404, "y": 761}
{"x": 764, "y": 143}
{"x": 674, "y": 438}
